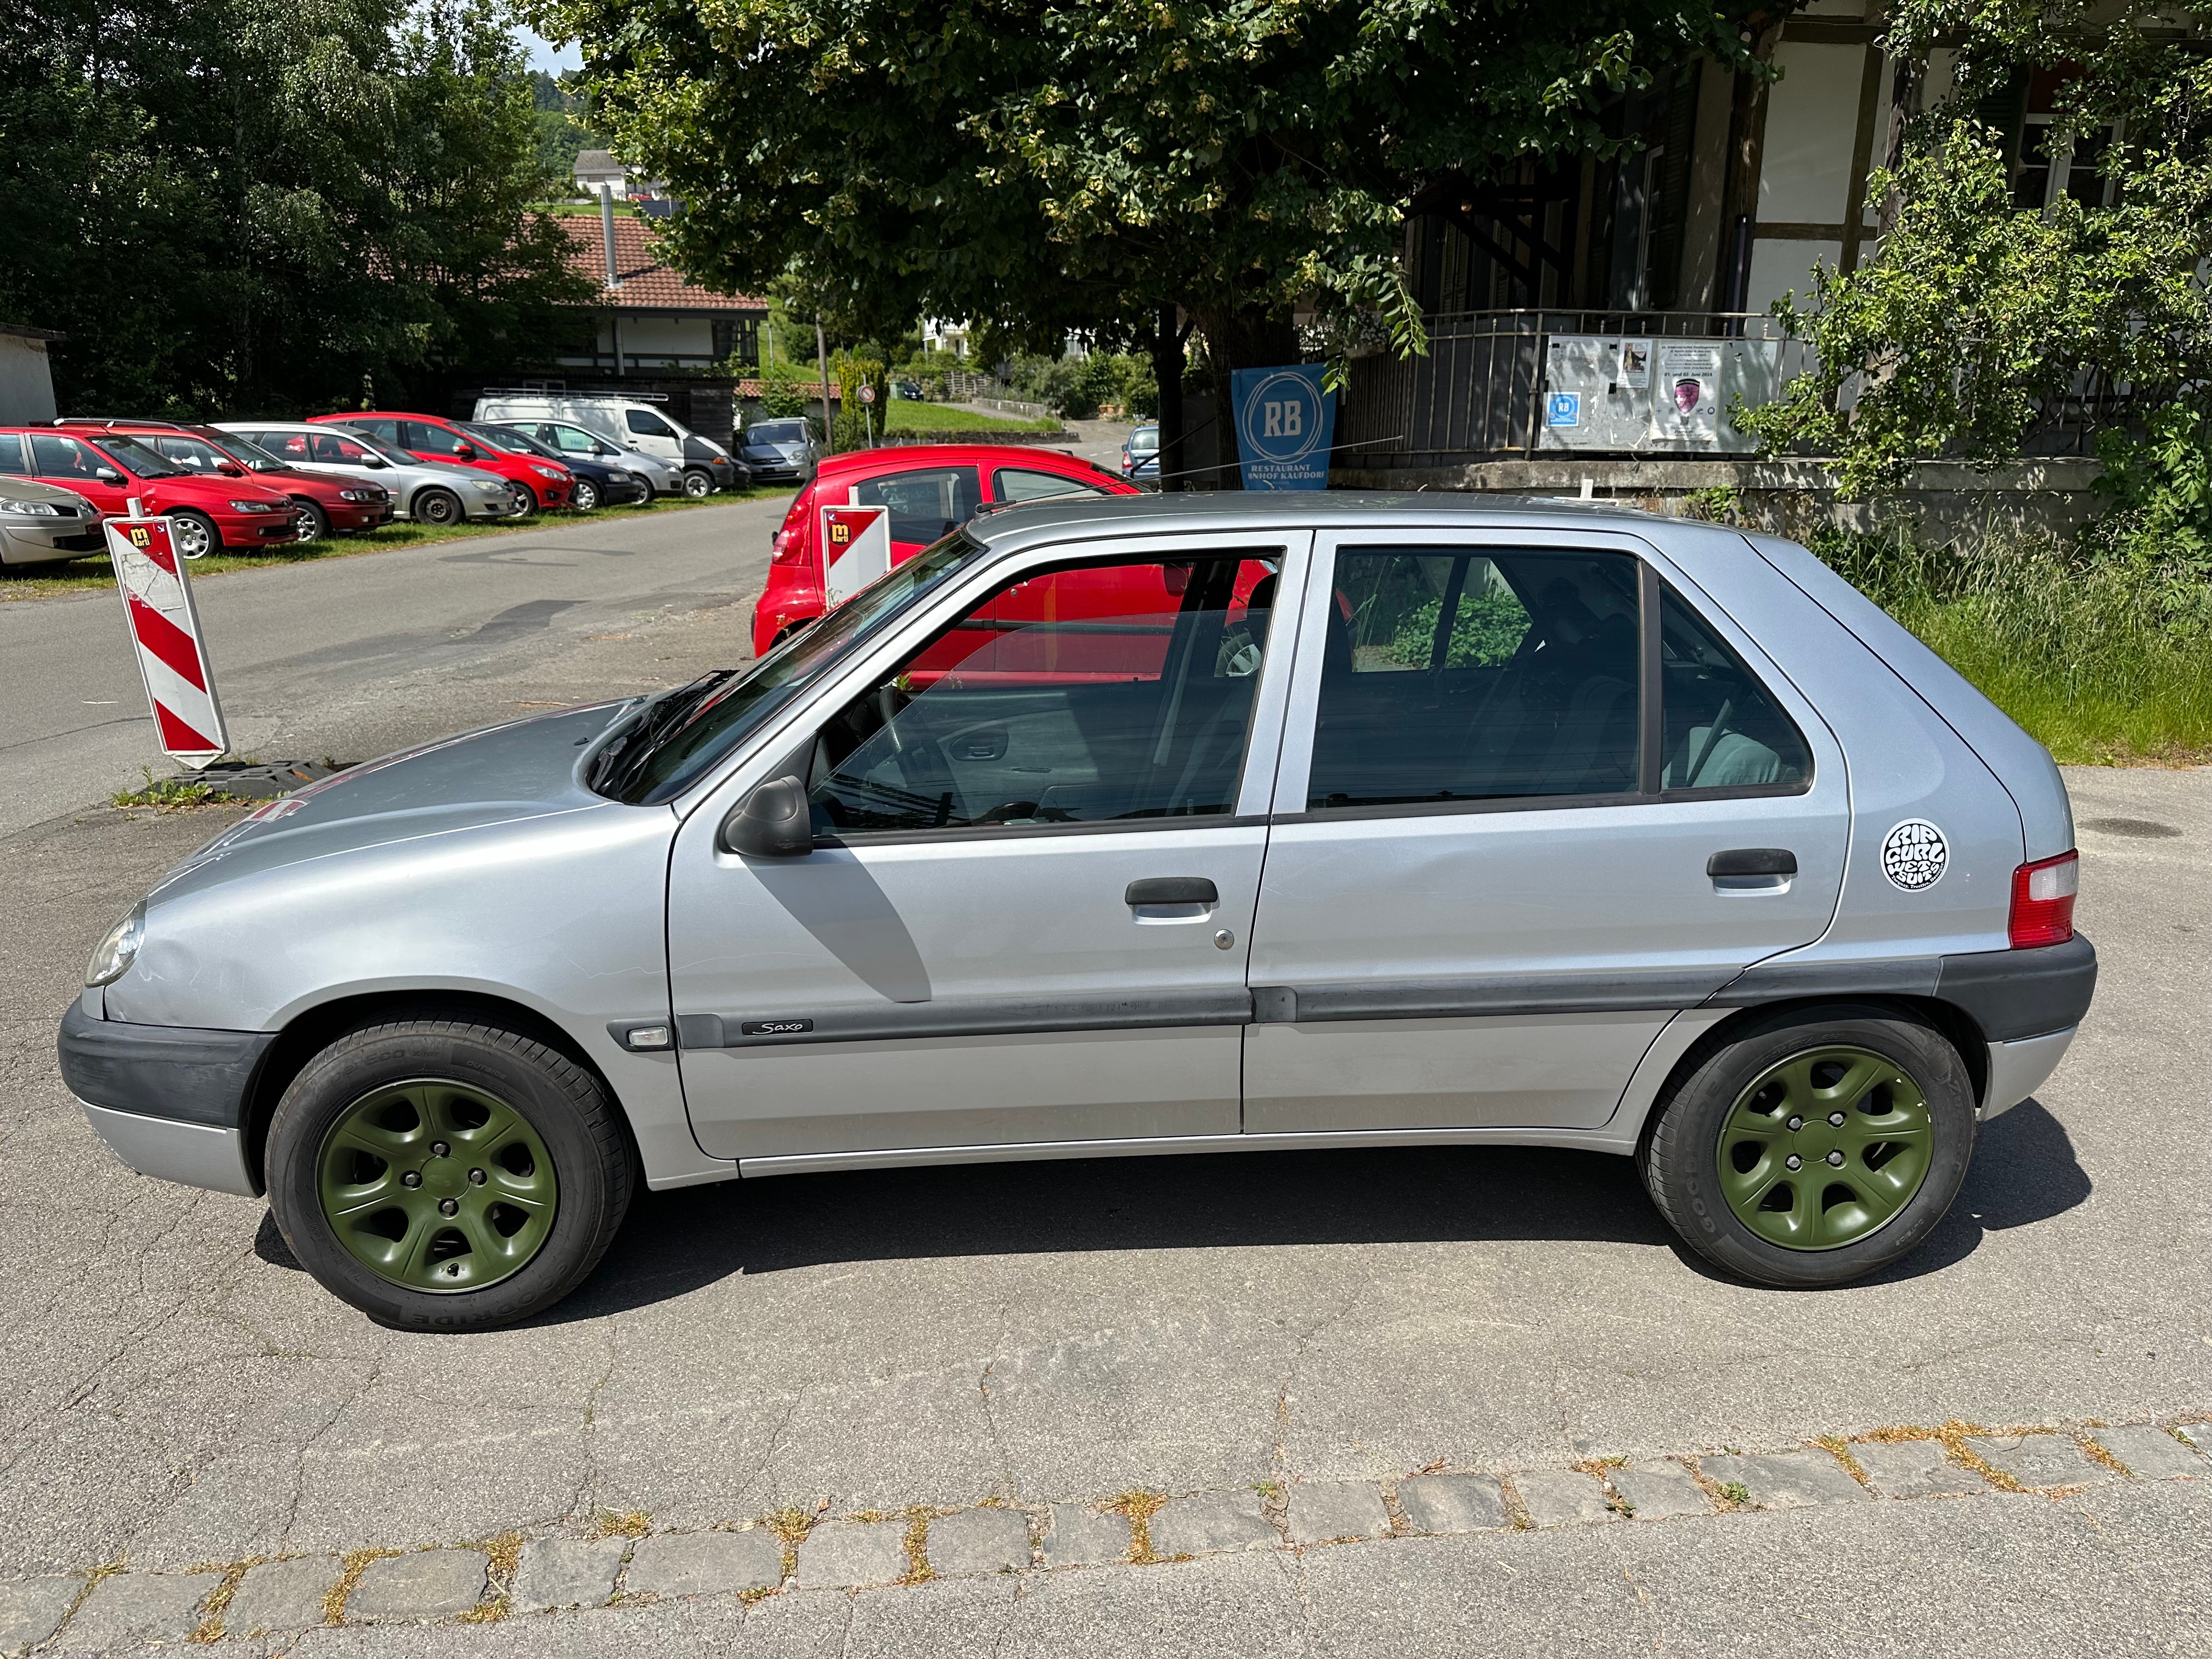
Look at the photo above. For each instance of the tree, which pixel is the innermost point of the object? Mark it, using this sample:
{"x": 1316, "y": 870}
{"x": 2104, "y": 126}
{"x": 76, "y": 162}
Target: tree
{"x": 562, "y": 130}
{"x": 1978, "y": 316}
{"x": 266, "y": 205}
{"x": 1036, "y": 165}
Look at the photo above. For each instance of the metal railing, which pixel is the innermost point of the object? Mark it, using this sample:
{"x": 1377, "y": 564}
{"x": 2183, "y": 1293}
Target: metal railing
{"x": 1478, "y": 395}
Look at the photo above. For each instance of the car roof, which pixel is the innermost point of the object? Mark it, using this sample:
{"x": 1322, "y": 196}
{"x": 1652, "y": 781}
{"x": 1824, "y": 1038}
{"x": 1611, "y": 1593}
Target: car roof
{"x": 1263, "y": 511}
{"x": 856, "y": 461}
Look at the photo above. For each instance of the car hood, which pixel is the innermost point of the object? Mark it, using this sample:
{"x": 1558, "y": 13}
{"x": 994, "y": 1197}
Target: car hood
{"x": 502, "y": 774}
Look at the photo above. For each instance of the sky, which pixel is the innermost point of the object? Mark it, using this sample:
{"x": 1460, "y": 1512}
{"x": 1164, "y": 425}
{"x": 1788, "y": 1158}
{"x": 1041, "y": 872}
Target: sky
{"x": 543, "y": 57}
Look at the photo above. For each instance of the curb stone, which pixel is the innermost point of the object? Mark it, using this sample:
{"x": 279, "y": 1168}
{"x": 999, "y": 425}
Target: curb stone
{"x": 135, "y": 1610}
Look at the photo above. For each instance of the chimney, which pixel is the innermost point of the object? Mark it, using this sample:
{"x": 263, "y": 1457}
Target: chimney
{"x": 607, "y": 231}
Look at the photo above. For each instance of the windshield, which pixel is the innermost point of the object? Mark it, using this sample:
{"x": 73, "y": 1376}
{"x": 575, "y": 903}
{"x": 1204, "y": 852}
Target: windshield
{"x": 250, "y": 454}
{"x": 134, "y": 457}
{"x": 686, "y": 751}
{"x": 518, "y": 443}
{"x": 777, "y": 432}
{"x": 374, "y": 445}
{"x": 507, "y": 443}
{"x": 1145, "y": 437}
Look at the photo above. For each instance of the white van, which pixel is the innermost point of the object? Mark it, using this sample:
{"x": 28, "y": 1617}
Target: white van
{"x": 639, "y": 422}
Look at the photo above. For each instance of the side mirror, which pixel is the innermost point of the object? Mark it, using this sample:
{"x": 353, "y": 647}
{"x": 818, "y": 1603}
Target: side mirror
{"x": 773, "y": 822}
{"x": 465, "y": 452}
{"x": 376, "y": 464}
{"x": 230, "y": 468}
{"x": 107, "y": 475}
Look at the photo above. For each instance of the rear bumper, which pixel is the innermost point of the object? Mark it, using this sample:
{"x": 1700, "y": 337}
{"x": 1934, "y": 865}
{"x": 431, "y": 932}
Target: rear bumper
{"x": 169, "y": 1100}
{"x": 2018, "y": 1069}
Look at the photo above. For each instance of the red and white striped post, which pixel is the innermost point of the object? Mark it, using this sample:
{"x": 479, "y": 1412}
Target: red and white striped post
{"x": 165, "y": 636}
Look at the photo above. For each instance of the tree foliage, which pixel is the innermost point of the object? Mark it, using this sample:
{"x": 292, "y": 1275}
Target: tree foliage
{"x": 1976, "y": 317}
{"x": 1036, "y": 165}
{"x": 264, "y": 206}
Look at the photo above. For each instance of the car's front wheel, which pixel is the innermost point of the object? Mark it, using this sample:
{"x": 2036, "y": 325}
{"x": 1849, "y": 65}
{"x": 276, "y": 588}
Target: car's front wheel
{"x": 698, "y": 483}
{"x": 196, "y": 534}
{"x": 437, "y": 507}
{"x": 585, "y": 496}
{"x": 313, "y": 522}
{"x": 1816, "y": 1146}
{"x": 444, "y": 1174}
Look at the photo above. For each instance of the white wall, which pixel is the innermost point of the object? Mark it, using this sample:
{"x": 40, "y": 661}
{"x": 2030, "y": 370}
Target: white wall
{"x": 27, "y": 382}
{"x": 1811, "y": 116}
{"x": 1778, "y": 267}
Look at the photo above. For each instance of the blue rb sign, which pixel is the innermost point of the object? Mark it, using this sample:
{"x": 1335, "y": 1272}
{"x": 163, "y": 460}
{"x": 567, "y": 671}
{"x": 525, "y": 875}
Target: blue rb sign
{"x": 1285, "y": 424}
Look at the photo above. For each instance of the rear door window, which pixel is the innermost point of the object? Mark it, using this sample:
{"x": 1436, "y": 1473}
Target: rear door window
{"x": 1723, "y": 730}
{"x": 1451, "y": 675}
{"x": 925, "y": 503}
{"x": 388, "y": 431}
{"x": 1025, "y": 484}
{"x": 427, "y": 439}
{"x": 335, "y": 449}
{"x": 11, "y": 454}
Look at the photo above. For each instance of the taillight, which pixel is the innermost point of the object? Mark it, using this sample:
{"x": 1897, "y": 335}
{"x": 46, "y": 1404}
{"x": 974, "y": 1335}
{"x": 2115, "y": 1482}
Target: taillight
{"x": 2043, "y": 900}
{"x": 787, "y": 548}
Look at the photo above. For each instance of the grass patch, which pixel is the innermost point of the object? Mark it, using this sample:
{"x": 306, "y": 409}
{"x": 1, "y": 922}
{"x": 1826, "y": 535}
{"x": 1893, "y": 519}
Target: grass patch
{"x": 2080, "y": 651}
{"x": 906, "y": 419}
{"x": 95, "y": 573}
{"x": 173, "y": 794}
{"x": 1137, "y": 1507}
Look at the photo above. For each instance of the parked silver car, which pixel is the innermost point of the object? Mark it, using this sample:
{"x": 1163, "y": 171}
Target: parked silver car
{"x": 43, "y": 523}
{"x": 428, "y": 492}
{"x": 666, "y": 476}
{"x": 1137, "y": 825}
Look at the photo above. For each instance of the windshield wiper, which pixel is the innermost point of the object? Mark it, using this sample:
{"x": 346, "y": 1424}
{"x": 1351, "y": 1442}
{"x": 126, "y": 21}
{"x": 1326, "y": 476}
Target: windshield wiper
{"x": 621, "y": 760}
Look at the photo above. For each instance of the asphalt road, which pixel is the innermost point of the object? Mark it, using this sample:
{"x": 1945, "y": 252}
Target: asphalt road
{"x": 358, "y": 656}
{"x": 178, "y": 1393}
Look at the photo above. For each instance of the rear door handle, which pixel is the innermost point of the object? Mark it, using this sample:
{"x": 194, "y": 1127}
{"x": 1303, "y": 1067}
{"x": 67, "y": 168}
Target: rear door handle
{"x": 1172, "y": 889}
{"x": 1753, "y": 861}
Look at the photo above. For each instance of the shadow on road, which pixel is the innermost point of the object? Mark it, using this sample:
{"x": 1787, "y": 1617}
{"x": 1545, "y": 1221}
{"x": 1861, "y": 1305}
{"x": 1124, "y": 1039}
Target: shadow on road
{"x": 2024, "y": 1171}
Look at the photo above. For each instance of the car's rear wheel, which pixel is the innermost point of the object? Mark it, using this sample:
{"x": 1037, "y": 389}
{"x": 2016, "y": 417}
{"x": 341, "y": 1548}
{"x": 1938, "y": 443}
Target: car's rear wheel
{"x": 447, "y": 1174}
{"x": 195, "y": 533}
{"x": 313, "y": 522}
{"x": 1816, "y": 1146}
{"x": 698, "y": 482}
{"x": 437, "y": 507}
{"x": 585, "y": 498}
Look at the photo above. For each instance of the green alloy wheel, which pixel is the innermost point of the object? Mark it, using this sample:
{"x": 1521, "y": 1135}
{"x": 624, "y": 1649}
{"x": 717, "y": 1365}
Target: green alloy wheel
{"x": 1826, "y": 1147}
{"x": 437, "y": 1185}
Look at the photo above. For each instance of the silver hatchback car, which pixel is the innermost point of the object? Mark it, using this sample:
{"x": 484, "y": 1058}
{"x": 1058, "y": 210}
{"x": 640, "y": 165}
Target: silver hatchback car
{"x": 1141, "y": 825}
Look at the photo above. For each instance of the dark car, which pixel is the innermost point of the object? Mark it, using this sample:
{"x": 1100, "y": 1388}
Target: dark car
{"x": 778, "y": 452}
{"x": 597, "y": 482}
{"x": 909, "y": 389}
{"x": 1141, "y": 453}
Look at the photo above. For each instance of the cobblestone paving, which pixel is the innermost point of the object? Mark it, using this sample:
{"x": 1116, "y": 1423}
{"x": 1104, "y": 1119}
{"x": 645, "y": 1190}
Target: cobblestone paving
{"x": 271, "y": 1603}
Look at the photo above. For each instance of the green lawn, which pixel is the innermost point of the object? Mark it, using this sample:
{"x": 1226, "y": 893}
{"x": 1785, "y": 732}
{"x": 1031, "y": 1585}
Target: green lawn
{"x": 902, "y": 416}
{"x": 79, "y": 575}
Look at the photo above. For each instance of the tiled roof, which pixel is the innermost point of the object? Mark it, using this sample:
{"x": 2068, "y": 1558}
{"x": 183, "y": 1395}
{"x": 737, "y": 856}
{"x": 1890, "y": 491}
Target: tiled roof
{"x": 646, "y": 283}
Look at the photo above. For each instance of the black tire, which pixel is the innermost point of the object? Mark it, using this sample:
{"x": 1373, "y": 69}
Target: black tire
{"x": 698, "y": 483}
{"x": 524, "y": 497}
{"x": 585, "y": 498}
{"x": 314, "y": 522}
{"x": 195, "y": 533}
{"x": 561, "y": 1101}
{"x": 1680, "y": 1160}
{"x": 438, "y": 506}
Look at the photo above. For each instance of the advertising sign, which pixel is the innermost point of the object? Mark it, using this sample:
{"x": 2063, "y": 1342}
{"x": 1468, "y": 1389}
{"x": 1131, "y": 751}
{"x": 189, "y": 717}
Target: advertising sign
{"x": 856, "y": 548}
{"x": 165, "y": 636}
{"x": 1285, "y": 424}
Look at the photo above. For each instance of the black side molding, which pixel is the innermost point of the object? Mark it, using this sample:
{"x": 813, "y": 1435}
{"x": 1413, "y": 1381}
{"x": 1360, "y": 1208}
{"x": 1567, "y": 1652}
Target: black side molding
{"x": 1595, "y": 994}
{"x": 2008, "y": 994}
{"x": 175, "y": 1072}
{"x": 967, "y": 1017}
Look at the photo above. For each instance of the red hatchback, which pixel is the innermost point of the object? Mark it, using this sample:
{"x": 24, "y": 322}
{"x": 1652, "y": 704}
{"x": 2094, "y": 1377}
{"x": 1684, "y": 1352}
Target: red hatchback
{"x": 324, "y": 504}
{"x": 108, "y": 468}
{"x": 533, "y": 481}
{"x": 930, "y": 490}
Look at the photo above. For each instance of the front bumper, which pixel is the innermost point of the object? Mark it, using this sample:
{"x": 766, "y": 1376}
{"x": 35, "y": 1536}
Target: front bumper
{"x": 261, "y": 530}
{"x": 35, "y": 541}
{"x": 169, "y": 1101}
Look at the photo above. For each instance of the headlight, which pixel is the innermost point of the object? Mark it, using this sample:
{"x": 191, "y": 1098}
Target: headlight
{"x": 258, "y": 507}
{"x": 112, "y": 957}
{"x": 488, "y": 487}
{"x": 552, "y": 473}
{"x": 32, "y": 509}
{"x": 361, "y": 494}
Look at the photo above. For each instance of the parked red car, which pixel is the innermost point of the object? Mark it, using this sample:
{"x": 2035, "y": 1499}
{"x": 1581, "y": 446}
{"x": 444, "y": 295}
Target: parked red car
{"x": 931, "y": 490}
{"x": 326, "y": 504}
{"x": 534, "y": 482}
{"x": 109, "y": 468}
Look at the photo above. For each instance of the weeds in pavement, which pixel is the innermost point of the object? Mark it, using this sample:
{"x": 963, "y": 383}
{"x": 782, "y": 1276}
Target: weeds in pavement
{"x": 355, "y": 1563}
{"x": 1736, "y": 1494}
{"x": 621, "y": 1523}
{"x": 1841, "y": 1449}
{"x": 173, "y": 794}
{"x": 918, "y": 1569}
{"x": 1137, "y": 1507}
{"x": 506, "y": 1553}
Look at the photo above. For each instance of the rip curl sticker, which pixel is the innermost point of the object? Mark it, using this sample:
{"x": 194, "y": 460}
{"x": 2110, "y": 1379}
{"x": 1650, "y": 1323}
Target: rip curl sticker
{"x": 1914, "y": 855}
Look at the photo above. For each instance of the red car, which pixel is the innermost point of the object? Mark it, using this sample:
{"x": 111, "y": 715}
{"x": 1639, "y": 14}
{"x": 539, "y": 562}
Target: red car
{"x": 109, "y": 468}
{"x": 324, "y": 504}
{"x": 930, "y": 489}
{"x": 535, "y": 482}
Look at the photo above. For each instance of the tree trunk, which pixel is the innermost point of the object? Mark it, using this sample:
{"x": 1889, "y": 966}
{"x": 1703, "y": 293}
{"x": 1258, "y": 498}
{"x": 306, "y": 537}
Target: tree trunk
{"x": 1904, "y": 105}
{"x": 1747, "y": 148}
{"x": 1239, "y": 337}
{"x": 1167, "y": 367}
